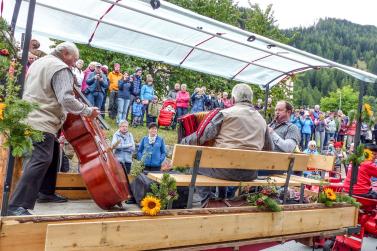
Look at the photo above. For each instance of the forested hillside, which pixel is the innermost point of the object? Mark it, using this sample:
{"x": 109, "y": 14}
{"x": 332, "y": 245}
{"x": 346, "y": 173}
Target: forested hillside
{"x": 339, "y": 40}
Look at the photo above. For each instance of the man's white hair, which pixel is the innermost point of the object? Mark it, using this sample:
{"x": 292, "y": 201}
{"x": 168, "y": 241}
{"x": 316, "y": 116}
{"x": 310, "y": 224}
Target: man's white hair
{"x": 66, "y": 46}
{"x": 242, "y": 93}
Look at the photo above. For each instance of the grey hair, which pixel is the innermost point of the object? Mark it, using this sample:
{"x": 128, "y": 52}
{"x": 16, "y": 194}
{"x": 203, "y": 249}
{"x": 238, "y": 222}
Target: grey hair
{"x": 123, "y": 122}
{"x": 242, "y": 93}
{"x": 66, "y": 46}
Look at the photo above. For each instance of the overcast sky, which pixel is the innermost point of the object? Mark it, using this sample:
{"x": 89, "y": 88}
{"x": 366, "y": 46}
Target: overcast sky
{"x": 294, "y": 13}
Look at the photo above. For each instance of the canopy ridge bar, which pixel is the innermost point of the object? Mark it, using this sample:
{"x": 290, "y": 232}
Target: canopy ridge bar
{"x": 188, "y": 54}
{"x": 104, "y": 14}
{"x": 153, "y": 35}
{"x": 203, "y": 31}
{"x": 247, "y": 65}
{"x": 372, "y": 77}
{"x": 293, "y": 71}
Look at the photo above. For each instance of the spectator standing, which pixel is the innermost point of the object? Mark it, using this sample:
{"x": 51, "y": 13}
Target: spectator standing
{"x": 114, "y": 78}
{"x": 306, "y": 130}
{"x": 351, "y": 131}
{"x": 97, "y": 85}
{"x": 123, "y": 145}
{"x": 105, "y": 71}
{"x": 173, "y": 95}
{"x": 152, "y": 149}
{"x": 259, "y": 105}
{"x": 87, "y": 72}
{"x": 330, "y": 127}
{"x": 136, "y": 87}
{"x": 124, "y": 96}
{"x": 137, "y": 112}
{"x": 153, "y": 110}
{"x": 219, "y": 101}
{"x": 320, "y": 125}
{"x": 183, "y": 101}
{"x": 146, "y": 95}
{"x": 198, "y": 100}
{"x": 77, "y": 71}
{"x": 342, "y": 128}
{"x": 227, "y": 101}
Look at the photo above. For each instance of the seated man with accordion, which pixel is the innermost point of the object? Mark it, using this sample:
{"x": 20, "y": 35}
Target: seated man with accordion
{"x": 237, "y": 127}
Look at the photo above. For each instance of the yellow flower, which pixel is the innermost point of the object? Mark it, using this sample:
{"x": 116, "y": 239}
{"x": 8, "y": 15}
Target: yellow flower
{"x": 368, "y": 110}
{"x": 330, "y": 194}
{"x": 2, "y": 108}
{"x": 27, "y": 133}
{"x": 368, "y": 154}
{"x": 150, "y": 205}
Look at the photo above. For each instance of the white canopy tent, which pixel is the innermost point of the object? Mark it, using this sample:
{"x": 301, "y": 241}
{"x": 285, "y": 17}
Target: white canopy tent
{"x": 174, "y": 36}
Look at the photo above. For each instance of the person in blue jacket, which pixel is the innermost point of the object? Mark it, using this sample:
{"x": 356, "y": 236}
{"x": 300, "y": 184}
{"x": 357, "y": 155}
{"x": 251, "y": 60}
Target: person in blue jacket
{"x": 152, "y": 149}
{"x": 306, "y": 129}
{"x": 97, "y": 86}
{"x": 137, "y": 111}
{"x": 198, "y": 100}
{"x": 146, "y": 95}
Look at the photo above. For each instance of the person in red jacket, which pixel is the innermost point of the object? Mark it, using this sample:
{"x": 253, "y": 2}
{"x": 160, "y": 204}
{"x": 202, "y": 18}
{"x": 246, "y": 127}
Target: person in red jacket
{"x": 183, "y": 101}
{"x": 367, "y": 170}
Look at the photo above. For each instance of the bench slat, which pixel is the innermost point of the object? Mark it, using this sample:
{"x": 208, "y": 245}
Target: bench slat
{"x": 201, "y": 180}
{"x": 303, "y": 180}
{"x": 214, "y": 157}
{"x": 321, "y": 162}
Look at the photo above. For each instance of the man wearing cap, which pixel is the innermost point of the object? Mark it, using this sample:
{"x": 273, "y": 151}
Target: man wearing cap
{"x": 136, "y": 87}
{"x": 97, "y": 84}
{"x": 114, "y": 78}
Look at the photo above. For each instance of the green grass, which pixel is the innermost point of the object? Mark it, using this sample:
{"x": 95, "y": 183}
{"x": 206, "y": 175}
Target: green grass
{"x": 170, "y": 136}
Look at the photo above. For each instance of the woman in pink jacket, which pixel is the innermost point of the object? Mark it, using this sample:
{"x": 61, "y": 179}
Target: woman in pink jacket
{"x": 183, "y": 101}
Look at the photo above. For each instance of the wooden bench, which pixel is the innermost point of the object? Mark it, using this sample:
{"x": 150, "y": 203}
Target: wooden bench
{"x": 196, "y": 157}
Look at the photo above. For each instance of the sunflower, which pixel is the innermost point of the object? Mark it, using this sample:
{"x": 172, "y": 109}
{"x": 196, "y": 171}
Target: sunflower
{"x": 368, "y": 154}
{"x": 2, "y": 108}
{"x": 150, "y": 205}
{"x": 330, "y": 194}
{"x": 368, "y": 110}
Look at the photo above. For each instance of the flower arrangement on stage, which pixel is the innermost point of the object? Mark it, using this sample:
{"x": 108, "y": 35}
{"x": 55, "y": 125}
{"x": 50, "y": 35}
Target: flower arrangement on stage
{"x": 359, "y": 155}
{"x": 266, "y": 199}
{"x": 166, "y": 191}
{"x": 13, "y": 110}
{"x": 329, "y": 197}
{"x": 151, "y": 205}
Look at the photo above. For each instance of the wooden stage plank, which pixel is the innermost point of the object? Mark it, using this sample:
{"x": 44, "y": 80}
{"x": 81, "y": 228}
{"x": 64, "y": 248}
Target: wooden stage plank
{"x": 32, "y": 229}
{"x": 321, "y": 162}
{"x": 201, "y": 180}
{"x": 160, "y": 233}
{"x": 303, "y": 180}
{"x": 213, "y": 157}
{"x": 71, "y": 186}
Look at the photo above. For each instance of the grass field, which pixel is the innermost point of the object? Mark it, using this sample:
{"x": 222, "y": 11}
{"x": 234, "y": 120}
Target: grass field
{"x": 170, "y": 136}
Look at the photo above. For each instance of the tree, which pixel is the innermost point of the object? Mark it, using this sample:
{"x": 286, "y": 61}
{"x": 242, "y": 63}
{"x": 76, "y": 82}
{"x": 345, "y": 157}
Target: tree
{"x": 344, "y": 99}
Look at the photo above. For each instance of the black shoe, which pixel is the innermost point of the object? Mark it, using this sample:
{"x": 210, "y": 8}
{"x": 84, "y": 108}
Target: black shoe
{"x": 45, "y": 198}
{"x": 18, "y": 211}
{"x": 131, "y": 201}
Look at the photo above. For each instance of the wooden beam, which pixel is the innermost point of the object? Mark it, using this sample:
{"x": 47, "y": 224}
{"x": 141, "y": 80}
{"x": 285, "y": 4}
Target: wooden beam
{"x": 157, "y": 233}
{"x": 213, "y": 157}
{"x": 201, "y": 180}
{"x": 302, "y": 180}
{"x": 321, "y": 162}
{"x": 32, "y": 229}
{"x": 71, "y": 186}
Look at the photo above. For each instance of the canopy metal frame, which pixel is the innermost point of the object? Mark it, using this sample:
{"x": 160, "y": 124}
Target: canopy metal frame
{"x": 327, "y": 63}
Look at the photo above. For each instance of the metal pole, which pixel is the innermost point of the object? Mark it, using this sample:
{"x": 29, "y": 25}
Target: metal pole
{"x": 267, "y": 92}
{"x": 16, "y": 11}
{"x": 21, "y": 80}
{"x": 25, "y": 51}
{"x": 355, "y": 168}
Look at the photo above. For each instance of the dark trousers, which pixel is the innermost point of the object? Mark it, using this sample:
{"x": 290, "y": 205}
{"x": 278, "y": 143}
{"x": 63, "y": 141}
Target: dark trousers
{"x": 151, "y": 119}
{"x": 132, "y": 100}
{"x": 39, "y": 174}
{"x": 113, "y": 104}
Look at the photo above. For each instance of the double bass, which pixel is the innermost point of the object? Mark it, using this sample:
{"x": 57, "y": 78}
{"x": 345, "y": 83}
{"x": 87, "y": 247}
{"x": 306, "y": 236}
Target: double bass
{"x": 101, "y": 172}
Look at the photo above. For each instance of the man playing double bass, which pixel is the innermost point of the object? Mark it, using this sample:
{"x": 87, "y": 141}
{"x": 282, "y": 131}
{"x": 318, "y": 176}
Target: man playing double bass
{"x": 49, "y": 83}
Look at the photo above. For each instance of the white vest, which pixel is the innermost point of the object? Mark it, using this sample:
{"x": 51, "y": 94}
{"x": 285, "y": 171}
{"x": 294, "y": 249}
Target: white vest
{"x": 49, "y": 116}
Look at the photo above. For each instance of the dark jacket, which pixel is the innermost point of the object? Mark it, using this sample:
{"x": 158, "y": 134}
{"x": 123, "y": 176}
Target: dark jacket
{"x": 136, "y": 86}
{"x": 124, "y": 90}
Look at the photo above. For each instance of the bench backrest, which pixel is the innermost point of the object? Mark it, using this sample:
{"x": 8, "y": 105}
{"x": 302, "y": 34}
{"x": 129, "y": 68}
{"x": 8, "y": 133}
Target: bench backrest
{"x": 214, "y": 157}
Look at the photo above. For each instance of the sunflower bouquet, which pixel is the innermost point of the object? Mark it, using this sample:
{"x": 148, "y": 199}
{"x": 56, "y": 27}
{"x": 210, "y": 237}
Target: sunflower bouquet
{"x": 13, "y": 110}
{"x": 329, "y": 197}
{"x": 166, "y": 191}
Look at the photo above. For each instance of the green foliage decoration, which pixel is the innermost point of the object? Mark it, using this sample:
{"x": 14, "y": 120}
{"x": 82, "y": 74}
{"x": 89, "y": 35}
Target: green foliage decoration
{"x": 166, "y": 191}
{"x": 266, "y": 199}
{"x": 13, "y": 110}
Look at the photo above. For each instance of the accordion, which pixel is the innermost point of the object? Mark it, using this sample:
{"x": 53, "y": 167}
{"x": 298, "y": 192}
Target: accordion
{"x": 195, "y": 123}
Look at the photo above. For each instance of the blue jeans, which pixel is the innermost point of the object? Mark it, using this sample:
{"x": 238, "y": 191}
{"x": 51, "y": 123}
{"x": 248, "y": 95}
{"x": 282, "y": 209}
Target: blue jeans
{"x": 305, "y": 140}
{"x": 96, "y": 98}
{"x": 123, "y": 105}
{"x": 181, "y": 111}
